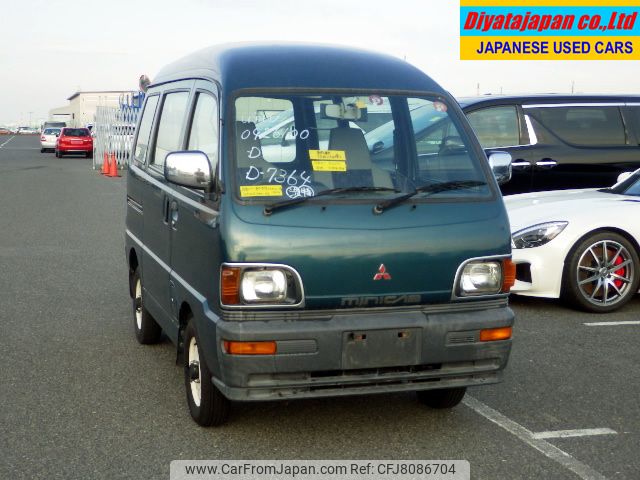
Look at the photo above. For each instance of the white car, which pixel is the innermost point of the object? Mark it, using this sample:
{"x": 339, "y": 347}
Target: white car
{"x": 48, "y": 139}
{"x": 579, "y": 245}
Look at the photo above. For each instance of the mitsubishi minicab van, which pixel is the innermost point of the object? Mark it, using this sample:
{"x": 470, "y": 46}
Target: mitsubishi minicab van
{"x": 304, "y": 262}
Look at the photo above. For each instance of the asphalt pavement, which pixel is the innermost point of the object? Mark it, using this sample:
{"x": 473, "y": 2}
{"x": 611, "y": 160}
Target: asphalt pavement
{"x": 81, "y": 399}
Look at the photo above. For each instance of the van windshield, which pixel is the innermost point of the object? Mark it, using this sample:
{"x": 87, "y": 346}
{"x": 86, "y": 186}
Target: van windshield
{"x": 357, "y": 146}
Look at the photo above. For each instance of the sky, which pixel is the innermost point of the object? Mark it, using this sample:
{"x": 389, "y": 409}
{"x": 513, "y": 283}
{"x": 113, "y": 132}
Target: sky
{"x": 50, "y": 49}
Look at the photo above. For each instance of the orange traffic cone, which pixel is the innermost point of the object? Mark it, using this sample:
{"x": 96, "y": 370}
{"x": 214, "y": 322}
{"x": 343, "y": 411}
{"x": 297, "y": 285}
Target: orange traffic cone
{"x": 105, "y": 164}
{"x": 113, "y": 166}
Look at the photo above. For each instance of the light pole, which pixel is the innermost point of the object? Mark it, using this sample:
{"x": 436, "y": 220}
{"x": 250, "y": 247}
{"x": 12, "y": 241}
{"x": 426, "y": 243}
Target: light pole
{"x": 30, "y": 125}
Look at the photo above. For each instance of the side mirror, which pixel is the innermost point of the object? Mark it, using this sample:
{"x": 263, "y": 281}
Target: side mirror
{"x": 500, "y": 163}
{"x": 189, "y": 169}
{"x": 623, "y": 176}
{"x": 377, "y": 147}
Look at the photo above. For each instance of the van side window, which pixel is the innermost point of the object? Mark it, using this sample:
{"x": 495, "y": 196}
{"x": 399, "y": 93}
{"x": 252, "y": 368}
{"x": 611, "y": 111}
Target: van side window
{"x": 634, "y": 113}
{"x": 496, "y": 126}
{"x": 142, "y": 144}
{"x": 583, "y": 125}
{"x": 204, "y": 128}
{"x": 172, "y": 118}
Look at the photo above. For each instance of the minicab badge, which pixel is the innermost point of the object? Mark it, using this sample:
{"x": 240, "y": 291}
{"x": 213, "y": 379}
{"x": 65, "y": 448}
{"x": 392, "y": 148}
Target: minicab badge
{"x": 382, "y": 273}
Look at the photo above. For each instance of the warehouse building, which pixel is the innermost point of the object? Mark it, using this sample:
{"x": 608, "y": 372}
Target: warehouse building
{"x": 83, "y": 105}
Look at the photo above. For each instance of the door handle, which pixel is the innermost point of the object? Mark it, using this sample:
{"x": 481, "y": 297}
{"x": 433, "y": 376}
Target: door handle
{"x": 546, "y": 164}
{"x": 165, "y": 211}
{"x": 520, "y": 165}
{"x": 173, "y": 215}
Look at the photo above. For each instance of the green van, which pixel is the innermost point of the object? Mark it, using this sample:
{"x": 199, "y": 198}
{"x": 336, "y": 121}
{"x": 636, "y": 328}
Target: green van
{"x": 288, "y": 258}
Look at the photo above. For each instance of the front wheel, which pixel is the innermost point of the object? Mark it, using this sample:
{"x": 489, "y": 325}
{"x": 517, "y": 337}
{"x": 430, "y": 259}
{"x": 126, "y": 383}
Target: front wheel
{"x": 602, "y": 273}
{"x": 442, "y": 398}
{"x": 146, "y": 328}
{"x": 207, "y": 405}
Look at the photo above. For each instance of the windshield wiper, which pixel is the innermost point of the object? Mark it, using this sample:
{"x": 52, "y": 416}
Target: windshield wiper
{"x": 269, "y": 209}
{"x": 431, "y": 189}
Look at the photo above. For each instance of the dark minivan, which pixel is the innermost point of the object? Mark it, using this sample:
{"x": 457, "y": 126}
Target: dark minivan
{"x": 559, "y": 141}
{"x": 296, "y": 263}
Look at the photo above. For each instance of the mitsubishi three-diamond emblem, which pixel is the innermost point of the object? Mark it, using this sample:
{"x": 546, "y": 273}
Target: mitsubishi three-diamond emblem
{"x": 382, "y": 273}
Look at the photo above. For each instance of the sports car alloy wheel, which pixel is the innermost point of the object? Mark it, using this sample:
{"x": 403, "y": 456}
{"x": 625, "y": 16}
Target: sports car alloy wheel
{"x": 601, "y": 272}
{"x": 605, "y": 272}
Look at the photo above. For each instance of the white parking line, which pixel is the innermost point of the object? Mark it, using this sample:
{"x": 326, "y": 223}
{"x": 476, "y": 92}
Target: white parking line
{"x": 585, "y": 432}
{"x": 10, "y": 138}
{"x": 554, "y": 453}
{"x": 611, "y": 324}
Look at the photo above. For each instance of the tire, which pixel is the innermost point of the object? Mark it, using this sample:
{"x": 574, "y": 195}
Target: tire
{"x": 57, "y": 153}
{"x": 88, "y": 155}
{"x": 442, "y": 398}
{"x": 146, "y": 328}
{"x": 208, "y": 407}
{"x": 601, "y": 273}
{"x": 42, "y": 150}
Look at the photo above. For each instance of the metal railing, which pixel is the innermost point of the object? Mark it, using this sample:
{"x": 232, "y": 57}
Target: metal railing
{"x": 113, "y": 133}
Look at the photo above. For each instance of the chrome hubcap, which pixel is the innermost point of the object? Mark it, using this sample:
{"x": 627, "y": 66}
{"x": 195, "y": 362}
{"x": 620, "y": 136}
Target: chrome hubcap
{"x": 605, "y": 273}
{"x": 194, "y": 371}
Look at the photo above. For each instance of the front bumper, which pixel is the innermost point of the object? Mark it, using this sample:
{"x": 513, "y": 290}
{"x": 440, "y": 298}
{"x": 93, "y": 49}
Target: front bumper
{"x": 325, "y": 354}
{"x": 539, "y": 270}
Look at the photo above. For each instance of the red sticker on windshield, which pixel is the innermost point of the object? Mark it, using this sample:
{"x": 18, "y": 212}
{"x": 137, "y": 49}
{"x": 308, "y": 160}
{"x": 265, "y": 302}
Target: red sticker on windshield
{"x": 376, "y": 99}
{"x": 440, "y": 107}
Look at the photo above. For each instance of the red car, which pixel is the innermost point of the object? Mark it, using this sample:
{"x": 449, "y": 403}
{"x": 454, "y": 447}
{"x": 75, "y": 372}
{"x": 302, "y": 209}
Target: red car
{"x": 74, "y": 140}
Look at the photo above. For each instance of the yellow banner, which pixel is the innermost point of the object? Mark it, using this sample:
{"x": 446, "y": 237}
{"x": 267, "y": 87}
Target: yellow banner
{"x": 261, "y": 190}
{"x": 327, "y": 155}
{"x": 549, "y": 48}
{"x": 329, "y": 166}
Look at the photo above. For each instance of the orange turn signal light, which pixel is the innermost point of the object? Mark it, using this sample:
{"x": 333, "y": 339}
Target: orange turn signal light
{"x": 508, "y": 275}
{"x": 249, "y": 348}
{"x": 230, "y": 285}
{"x": 493, "y": 334}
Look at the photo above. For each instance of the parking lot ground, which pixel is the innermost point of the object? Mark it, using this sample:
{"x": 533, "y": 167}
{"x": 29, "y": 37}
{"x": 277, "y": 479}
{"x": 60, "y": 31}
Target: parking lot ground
{"x": 81, "y": 399}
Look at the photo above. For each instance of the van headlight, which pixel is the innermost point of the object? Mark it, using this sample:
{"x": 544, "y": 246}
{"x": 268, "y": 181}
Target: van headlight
{"x": 485, "y": 276}
{"x": 537, "y": 235}
{"x": 260, "y": 285}
{"x": 481, "y": 278}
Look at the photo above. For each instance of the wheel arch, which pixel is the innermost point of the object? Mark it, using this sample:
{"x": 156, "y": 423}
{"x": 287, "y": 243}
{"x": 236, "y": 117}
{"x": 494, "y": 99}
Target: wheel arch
{"x": 618, "y": 230}
{"x": 134, "y": 264}
{"x": 185, "y": 313}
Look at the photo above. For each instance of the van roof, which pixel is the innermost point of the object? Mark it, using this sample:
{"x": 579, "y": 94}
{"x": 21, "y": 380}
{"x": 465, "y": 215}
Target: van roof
{"x": 270, "y": 65}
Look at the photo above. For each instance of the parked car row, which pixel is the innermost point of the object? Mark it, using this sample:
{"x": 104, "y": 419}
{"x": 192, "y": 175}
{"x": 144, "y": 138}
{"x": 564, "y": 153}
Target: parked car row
{"x": 67, "y": 140}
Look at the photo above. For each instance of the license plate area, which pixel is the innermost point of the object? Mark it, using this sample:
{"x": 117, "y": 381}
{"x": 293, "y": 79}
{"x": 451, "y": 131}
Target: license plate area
{"x": 381, "y": 348}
